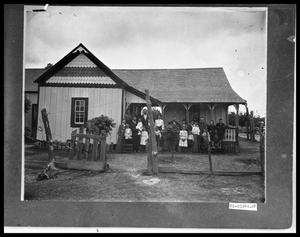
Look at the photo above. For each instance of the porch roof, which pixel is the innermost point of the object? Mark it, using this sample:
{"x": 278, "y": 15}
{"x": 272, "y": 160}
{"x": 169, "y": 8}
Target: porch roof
{"x": 194, "y": 85}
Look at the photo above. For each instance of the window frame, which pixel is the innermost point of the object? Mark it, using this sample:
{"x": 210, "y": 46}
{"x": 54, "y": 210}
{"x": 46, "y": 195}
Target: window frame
{"x": 73, "y": 112}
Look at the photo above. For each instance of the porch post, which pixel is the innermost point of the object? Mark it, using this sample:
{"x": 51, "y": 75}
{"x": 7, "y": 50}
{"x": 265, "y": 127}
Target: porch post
{"x": 211, "y": 108}
{"x": 227, "y": 122}
{"x": 187, "y": 113}
{"x": 163, "y": 106}
{"x": 237, "y": 115}
{"x": 237, "y": 123}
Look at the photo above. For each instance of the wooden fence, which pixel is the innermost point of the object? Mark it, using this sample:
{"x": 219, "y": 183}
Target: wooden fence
{"x": 87, "y": 147}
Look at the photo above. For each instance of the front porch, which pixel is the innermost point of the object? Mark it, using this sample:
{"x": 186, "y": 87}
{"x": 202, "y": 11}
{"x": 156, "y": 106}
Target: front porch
{"x": 184, "y": 111}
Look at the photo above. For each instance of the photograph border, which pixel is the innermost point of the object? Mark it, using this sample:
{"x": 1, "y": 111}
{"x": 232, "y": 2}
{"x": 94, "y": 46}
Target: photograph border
{"x": 276, "y": 213}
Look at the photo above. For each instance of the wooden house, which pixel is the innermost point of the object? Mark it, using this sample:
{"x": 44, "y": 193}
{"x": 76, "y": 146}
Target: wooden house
{"x": 80, "y": 87}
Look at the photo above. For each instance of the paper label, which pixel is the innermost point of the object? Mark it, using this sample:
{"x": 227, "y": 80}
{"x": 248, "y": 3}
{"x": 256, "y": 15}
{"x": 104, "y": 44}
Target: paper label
{"x": 243, "y": 206}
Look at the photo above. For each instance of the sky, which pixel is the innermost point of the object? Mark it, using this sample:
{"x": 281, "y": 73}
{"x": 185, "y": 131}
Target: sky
{"x": 158, "y": 37}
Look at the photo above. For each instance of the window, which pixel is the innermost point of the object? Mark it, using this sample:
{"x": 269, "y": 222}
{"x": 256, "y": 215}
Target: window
{"x": 79, "y": 111}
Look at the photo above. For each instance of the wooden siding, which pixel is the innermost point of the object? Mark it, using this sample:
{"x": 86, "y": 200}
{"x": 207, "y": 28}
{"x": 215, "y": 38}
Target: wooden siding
{"x": 57, "y": 101}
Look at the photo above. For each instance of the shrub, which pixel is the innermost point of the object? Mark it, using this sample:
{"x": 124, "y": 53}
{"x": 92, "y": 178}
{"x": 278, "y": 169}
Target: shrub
{"x": 96, "y": 125}
{"x": 27, "y": 106}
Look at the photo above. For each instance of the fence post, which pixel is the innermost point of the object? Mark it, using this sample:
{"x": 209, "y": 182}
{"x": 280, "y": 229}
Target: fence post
{"x": 72, "y": 151}
{"x": 149, "y": 160}
{"x": 103, "y": 148}
{"x": 209, "y": 153}
{"x": 95, "y": 149}
{"x": 48, "y": 134}
{"x": 87, "y": 148}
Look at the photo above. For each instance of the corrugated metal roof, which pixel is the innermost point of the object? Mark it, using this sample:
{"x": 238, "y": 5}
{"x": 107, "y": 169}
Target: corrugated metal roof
{"x": 182, "y": 85}
{"x": 81, "y": 80}
{"x": 80, "y": 72}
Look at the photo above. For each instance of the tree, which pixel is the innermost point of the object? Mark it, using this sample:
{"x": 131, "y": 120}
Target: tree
{"x": 243, "y": 118}
{"x": 27, "y": 106}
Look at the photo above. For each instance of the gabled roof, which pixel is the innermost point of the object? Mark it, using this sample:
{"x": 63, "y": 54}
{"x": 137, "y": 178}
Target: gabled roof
{"x": 100, "y": 71}
{"x": 192, "y": 85}
{"x": 31, "y": 74}
{"x": 206, "y": 85}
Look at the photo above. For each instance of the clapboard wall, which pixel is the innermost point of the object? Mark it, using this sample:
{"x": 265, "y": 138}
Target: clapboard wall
{"x": 57, "y": 101}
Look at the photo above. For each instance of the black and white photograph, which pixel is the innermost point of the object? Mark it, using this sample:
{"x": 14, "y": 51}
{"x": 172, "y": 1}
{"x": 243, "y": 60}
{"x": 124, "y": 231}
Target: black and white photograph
{"x": 150, "y": 116}
{"x": 145, "y": 104}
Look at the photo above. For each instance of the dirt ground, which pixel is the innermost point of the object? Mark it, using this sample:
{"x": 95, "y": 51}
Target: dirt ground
{"x": 125, "y": 181}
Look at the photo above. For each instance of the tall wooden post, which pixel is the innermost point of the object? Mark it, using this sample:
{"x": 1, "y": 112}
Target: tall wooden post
{"x": 237, "y": 125}
{"x": 209, "y": 153}
{"x": 152, "y": 152}
{"x": 247, "y": 122}
{"x": 48, "y": 135}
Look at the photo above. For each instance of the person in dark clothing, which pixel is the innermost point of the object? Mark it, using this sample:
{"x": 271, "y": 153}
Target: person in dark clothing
{"x": 145, "y": 120}
{"x": 211, "y": 128}
{"x": 220, "y": 127}
{"x": 121, "y": 137}
{"x": 135, "y": 140}
{"x": 203, "y": 129}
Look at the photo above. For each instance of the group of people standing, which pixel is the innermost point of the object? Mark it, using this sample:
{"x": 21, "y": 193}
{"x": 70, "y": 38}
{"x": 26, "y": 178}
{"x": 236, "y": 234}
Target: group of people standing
{"x": 192, "y": 137}
{"x": 135, "y": 132}
{"x": 195, "y": 136}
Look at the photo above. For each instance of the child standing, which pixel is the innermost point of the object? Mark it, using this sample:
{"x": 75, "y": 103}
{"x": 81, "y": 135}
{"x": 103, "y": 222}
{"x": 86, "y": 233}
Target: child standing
{"x": 144, "y": 139}
{"x": 128, "y": 133}
{"x": 183, "y": 136}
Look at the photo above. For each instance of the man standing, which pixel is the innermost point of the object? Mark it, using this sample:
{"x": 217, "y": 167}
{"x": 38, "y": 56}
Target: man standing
{"x": 203, "y": 129}
{"x": 145, "y": 120}
{"x": 220, "y": 126}
{"x": 211, "y": 128}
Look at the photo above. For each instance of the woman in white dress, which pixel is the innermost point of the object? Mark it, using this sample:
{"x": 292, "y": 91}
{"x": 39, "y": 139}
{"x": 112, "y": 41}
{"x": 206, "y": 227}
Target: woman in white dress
{"x": 196, "y": 133}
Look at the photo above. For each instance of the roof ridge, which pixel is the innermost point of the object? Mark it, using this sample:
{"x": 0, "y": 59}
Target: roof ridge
{"x": 144, "y": 69}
